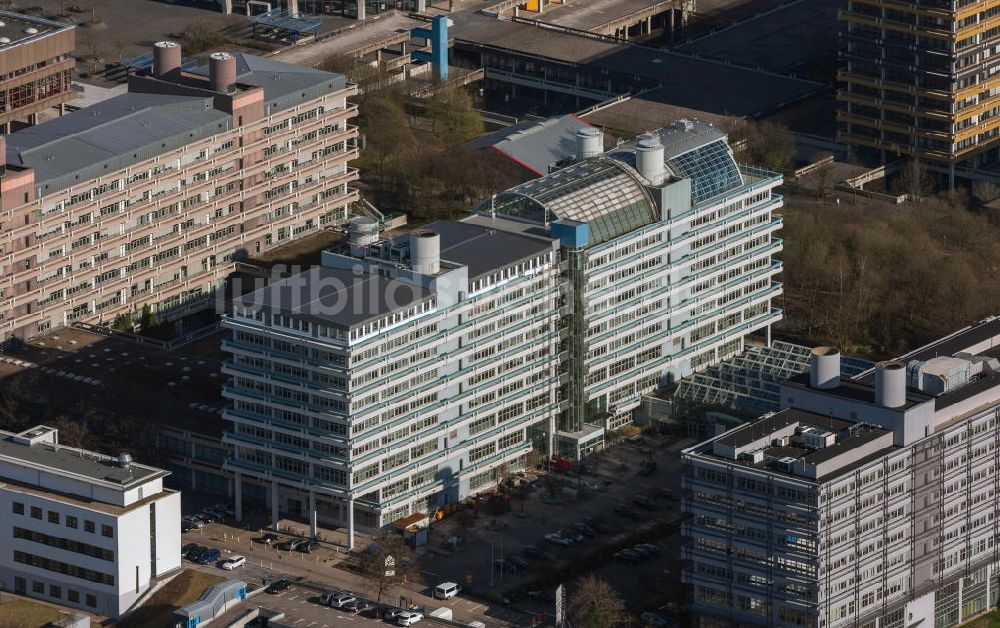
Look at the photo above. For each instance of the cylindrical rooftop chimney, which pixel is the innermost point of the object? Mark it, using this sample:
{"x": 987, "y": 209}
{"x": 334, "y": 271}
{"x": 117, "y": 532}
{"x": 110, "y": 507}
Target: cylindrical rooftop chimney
{"x": 590, "y": 142}
{"x": 824, "y": 367}
{"x": 890, "y": 384}
{"x": 166, "y": 57}
{"x": 221, "y": 71}
{"x": 425, "y": 251}
{"x": 649, "y": 159}
{"x": 363, "y": 232}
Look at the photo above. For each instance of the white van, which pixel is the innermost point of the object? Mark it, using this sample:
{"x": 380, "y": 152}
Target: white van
{"x": 446, "y": 590}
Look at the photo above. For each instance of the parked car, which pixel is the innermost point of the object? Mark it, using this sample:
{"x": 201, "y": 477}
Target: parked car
{"x": 541, "y": 596}
{"x": 408, "y": 618}
{"x": 653, "y": 619}
{"x": 626, "y": 556}
{"x": 208, "y": 517}
{"x": 628, "y": 512}
{"x": 390, "y": 614}
{"x": 668, "y": 494}
{"x": 356, "y": 606}
{"x": 233, "y": 562}
{"x": 186, "y": 526}
{"x": 290, "y": 544}
{"x": 504, "y": 565}
{"x": 517, "y": 561}
{"x": 556, "y": 539}
{"x": 534, "y": 552}
{"x": 187, "y": 548}
{"x": 647, "y": 467}
{"x": 225, "y": 509}
{"x": 598, "y": 524}
{"x": 306, "y": 547}
{"x": 208, "y": 556}
{"x": 338, "y": 600}
{"x": 446, "y": 590}
{"x": 192, "y": 550}
{"x": 195, "y": 522}
{"x": 267, "y": 539}
{"x": 644, "y": 502}
{"x": 585, "y": 529}
{"x": 278, "y": 586}
{"x": 649, "y": 548}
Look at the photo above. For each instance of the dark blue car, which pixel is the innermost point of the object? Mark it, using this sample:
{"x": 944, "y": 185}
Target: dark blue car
{"x": 211, "y": 556}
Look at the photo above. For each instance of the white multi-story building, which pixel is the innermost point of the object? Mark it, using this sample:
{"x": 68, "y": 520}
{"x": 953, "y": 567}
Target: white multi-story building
{"x": 405, "y": 375}
{"x": 869, "y": 501}
{"x": 669, "y": 250}
{"x": 80, "y": 528}
{"x": 396, "y": 378}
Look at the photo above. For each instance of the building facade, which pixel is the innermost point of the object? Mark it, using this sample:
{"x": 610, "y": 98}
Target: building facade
{"x": 398, "y": 377}
{"x": 82, "y": 529}
{"x": 36, "y": 66}
{"x": 919, "y": 80}
{"x": 668, "y": 246}
{"x": 868, "y": 501}
{"x": 150, "y": 197}
{"x": 407, "y": 374}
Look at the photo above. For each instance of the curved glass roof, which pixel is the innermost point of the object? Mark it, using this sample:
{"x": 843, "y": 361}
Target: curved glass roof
{"x": 599, "y": 192}
{"x": 711, "y": 168}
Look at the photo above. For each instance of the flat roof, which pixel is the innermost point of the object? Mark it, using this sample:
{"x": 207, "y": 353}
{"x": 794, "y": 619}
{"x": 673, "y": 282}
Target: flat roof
{"x": 134, "y": 127}
{"x": 751, "y": 432}
{"x": 536, "y": 144}
{"x": 17, "y": 28}
{"x": 79, "y": 463}
{"x": 483, "y": 249}
{"x": 334, "y": 296}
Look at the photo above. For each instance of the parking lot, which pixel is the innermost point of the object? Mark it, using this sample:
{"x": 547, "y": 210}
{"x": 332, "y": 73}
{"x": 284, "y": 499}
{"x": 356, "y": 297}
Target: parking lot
{"x": 647, "y": 578}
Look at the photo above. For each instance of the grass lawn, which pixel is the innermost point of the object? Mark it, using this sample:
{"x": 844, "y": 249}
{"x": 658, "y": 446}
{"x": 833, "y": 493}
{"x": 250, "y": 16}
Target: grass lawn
{"x": 989, "y": 620}
{"x": 29, "y": 614}
{"x": 185, "y": 588}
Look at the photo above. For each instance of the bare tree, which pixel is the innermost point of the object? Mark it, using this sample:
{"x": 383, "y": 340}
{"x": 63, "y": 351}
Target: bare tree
{"x": 386, "y": 564}
{"x": 595, "y": 604}
{"x": 120, "y": 45}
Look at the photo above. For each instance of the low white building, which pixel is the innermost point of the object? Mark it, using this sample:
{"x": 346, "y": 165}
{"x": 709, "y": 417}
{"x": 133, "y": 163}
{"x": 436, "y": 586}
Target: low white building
{"x": 80, "y": 528}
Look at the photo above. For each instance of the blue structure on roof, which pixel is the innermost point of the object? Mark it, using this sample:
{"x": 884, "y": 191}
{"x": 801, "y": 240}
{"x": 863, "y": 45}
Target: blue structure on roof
{"x": 437, "y": 34}
{"x": 297, "y": 24}
{"x": 145, "y": 61}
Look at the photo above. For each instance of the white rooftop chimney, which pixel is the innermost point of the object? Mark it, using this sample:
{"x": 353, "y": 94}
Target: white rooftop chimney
{"x": 425, "y": 251}
{"x": 890, "y": 384}
{"x": 649, "y": 159}
{"x": 824, "y": 368}
{"x": 590, "y": 142}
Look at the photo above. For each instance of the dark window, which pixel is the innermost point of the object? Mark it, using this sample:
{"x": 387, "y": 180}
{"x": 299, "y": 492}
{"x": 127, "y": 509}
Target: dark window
{"x": 73, "y": 596}
{"x": 36, "y": 512}
{"x": 71, "y": 521}
{"x": 107, "y": 531}
{"x": 38, "y": 587}
{"x": 91, "y": 601}
{"x": 55, "y": 591}
{"x": 20, "y": 585}
{"x": 53, "y": 517}
{"x": 18, "y": 508}
{"x": 88, "y": 526}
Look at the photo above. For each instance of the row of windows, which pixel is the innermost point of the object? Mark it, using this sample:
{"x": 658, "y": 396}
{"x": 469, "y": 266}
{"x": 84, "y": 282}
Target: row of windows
{"x": 71, "y": 521}
{"x": 55, "y": 591}
{"x": 64, "y": 544}
{"x": 64, "y": 568}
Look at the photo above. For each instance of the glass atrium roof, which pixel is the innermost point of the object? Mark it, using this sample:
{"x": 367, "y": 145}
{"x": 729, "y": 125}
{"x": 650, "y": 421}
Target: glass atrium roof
{"x": 599, "y": 192}
{"x": 711, "y": 168}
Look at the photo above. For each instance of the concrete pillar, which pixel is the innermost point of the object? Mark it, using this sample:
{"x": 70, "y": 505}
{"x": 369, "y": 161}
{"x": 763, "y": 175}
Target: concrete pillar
{"x": 313, "y": 528}
{"x": 238, "y": 490}
{"x": 671, "y": 13}
{"x": 293, "y": 7}
{"x": 951, "y": 177}
{"x": 421, "y": 6}
{"x": 350, "y": 523}
{"x": 274, "y": 505}
{"x": 227, "y": 6}
{"x": 361, "y": 10}
{"x": 649, "y": 24}
{"x": 62, "y": 109}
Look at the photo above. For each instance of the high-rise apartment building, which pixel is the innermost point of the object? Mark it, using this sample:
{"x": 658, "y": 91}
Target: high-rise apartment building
{"x": 83, "y": 529}
{"x": 668, "y": 246}
{"x": 406, "y": 374}
{"x": 869, "y": 501}
{"x": 919, "y": 79}
{"x": 148, "y": 198}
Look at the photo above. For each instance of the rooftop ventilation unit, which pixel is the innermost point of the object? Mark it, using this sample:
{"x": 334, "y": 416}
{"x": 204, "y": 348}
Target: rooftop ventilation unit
{"x": 31, "y": 30}
{"x": 756, "y": 457}
{"x": 781, "y": 441}
{"x": 785, "y": 464}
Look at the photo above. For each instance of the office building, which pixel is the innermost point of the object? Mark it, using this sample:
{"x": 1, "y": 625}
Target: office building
{"x": 399, "y": 376}
{"x": 36, "y": 67}
{"x": 868, "y": 501}
{"x": 406, "y": 374}
{"x": 669, "y": 250}
{"x": 82, "y": 529}
{"x": 149, "y": 198}
{"x": 919, "y": 80}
